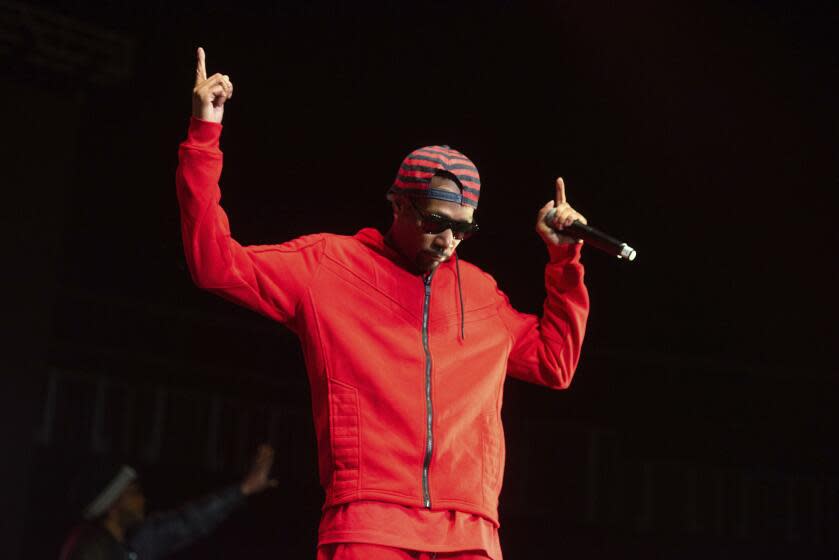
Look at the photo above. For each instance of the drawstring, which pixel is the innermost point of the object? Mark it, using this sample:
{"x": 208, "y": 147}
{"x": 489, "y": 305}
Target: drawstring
{"x": 460, "y": 292}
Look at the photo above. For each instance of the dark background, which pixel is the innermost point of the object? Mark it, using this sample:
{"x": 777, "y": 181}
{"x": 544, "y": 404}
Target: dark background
{"x": 702, "y": 420}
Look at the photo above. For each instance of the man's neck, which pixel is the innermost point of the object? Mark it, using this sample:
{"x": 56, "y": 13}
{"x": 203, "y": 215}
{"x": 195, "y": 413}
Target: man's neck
{"x": 114, "y": 528}
{"x": 388, "y": 239}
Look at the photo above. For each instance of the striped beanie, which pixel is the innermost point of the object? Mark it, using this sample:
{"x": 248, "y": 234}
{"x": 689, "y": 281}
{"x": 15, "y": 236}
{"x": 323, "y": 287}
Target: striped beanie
{"x": 416, "y": 171}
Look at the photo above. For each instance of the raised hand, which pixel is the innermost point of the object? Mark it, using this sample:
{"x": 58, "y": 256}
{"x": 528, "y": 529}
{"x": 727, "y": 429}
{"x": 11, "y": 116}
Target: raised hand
{"x": 565, "y": 216}
{"x": 209, "y": 94}
{"x": 258, "y": 477}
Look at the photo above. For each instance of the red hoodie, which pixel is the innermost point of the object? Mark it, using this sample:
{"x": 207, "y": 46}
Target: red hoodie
{"x": 406, "y": 410}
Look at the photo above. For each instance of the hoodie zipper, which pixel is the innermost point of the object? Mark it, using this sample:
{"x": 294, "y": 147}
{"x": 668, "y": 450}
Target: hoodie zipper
{"x": 429, "y": 414}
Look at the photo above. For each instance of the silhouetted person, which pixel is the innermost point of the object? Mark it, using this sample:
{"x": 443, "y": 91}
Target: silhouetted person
{"x": 116, "y": 526}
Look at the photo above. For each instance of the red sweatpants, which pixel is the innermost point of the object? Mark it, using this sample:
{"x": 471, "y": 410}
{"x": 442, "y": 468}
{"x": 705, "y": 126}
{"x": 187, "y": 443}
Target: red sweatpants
{"x": 361, "y": 551}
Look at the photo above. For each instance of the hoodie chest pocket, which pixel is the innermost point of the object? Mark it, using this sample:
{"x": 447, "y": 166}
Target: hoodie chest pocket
{"x": 481, "y": 321}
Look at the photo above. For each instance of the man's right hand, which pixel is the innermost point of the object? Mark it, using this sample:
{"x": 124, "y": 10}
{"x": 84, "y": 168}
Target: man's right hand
{"x": 209, "y": 94}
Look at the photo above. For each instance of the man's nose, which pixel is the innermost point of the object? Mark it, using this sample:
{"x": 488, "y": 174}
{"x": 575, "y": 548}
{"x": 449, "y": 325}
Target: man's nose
{"x": 444, "y": 239}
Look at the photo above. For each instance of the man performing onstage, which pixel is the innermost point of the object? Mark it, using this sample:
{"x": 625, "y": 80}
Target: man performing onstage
{"x": 406, "y": 346}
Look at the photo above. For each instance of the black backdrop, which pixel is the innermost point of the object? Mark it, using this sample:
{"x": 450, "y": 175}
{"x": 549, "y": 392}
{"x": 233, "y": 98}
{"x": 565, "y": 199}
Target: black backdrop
{"x": 703, "y": 133}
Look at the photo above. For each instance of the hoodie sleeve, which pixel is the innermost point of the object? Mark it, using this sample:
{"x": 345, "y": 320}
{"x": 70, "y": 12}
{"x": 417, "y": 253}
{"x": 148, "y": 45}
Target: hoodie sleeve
{"x": 546, "y": 350}
{"x": 166, "y": 532}
{"x": 269, "y": 279}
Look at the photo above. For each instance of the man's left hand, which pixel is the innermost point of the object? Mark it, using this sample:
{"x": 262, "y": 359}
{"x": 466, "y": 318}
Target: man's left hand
{"x": 564, "y": 217}
{"x": 257, "y": 478}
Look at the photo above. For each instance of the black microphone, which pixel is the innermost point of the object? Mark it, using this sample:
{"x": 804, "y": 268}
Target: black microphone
{"x": 593, "y": 237}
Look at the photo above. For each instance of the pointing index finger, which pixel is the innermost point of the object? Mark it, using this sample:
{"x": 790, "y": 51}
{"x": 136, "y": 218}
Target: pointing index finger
{"x": 201, "y": 67}
{"x": 560, "y": 191}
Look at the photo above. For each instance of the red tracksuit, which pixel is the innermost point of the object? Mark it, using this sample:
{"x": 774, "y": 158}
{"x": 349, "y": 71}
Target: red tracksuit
{"x": 406, "y": 410}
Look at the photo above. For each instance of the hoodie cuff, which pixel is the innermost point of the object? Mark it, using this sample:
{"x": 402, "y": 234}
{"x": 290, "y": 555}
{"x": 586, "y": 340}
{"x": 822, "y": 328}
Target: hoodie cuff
{"x": 233, "y": 494}
{"x": 564, "y": 253}
{"x": 203, "y": 134}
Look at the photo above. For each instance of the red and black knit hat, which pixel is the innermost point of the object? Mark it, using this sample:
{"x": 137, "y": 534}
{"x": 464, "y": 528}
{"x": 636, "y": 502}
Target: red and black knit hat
{"x": 416, "y": 171}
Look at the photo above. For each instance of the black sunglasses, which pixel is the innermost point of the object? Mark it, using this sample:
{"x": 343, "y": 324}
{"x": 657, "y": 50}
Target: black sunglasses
{"x": 434, "y": 223}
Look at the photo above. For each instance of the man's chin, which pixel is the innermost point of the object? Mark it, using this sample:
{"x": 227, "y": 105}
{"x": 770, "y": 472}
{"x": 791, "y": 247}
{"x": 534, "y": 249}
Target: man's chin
{"x": 428, "y": 262}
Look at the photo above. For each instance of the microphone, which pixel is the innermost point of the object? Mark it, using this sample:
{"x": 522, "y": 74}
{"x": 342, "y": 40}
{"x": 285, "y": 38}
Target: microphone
{"x": 593, "y": 237}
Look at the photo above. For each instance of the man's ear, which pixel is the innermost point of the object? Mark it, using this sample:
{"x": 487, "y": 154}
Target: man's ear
{"x": 398, "y": 203}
